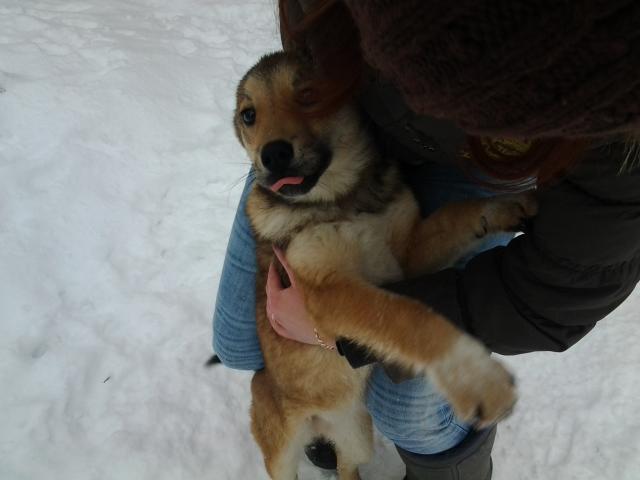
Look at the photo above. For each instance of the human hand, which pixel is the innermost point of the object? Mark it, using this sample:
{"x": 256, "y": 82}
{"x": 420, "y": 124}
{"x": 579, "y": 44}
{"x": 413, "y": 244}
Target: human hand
{"x": 285, "y": 307}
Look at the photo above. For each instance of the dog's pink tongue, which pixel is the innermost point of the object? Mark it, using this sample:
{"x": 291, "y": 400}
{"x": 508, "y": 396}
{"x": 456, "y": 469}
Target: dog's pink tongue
{"x": 286, "y": 181}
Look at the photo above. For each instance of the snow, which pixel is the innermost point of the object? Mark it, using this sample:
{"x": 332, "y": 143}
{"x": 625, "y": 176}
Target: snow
{"x": 119, "y": 177}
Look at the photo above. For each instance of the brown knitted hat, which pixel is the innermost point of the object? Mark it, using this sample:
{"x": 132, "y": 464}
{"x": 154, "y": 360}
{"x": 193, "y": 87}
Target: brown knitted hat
{"x": 511, "y": 67}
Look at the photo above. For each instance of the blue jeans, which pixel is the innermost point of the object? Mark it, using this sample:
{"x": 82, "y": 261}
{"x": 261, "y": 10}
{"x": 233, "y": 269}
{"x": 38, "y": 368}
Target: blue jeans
{"x": 411, "y": 414}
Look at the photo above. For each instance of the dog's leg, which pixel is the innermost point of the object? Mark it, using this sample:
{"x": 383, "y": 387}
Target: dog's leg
{"x": 280, "y": 431}
{"x": 351, "y": 431}
{"x": 409, "y": 333}
{"x": 452, "y": 231}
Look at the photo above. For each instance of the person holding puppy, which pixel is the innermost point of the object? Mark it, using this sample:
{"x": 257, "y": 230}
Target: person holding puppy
{"x": 506, "y": 94}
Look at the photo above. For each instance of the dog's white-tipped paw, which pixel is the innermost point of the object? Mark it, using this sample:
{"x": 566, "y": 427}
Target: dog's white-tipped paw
{"x": 480, "y": 390}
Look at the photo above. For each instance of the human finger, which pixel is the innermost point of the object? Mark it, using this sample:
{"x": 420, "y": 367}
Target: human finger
{"x": 274, "y": 284}
{"x": 283, "y": 261}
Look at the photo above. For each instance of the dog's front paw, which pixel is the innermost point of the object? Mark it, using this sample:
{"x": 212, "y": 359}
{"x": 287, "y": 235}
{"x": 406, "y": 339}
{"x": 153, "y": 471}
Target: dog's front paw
{"x": 479, "y": 388}
{"x": 507, "y": 213}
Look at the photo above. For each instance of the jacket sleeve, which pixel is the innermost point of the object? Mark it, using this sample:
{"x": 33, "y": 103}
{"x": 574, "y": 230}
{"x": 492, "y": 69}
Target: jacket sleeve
{"x": 549, "y": 287}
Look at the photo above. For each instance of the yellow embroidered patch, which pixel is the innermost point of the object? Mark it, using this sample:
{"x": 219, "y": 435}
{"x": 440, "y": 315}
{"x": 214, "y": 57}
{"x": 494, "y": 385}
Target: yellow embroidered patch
{"x": 501, "y": 147}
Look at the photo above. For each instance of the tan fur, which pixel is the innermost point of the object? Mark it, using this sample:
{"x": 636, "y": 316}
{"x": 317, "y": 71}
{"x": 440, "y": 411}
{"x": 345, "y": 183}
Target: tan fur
{"x": 341, "y": 241}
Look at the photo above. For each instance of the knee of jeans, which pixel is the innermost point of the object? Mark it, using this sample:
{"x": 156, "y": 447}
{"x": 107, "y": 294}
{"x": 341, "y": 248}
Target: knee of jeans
{"x": 419, "y": 430}
{"x": 416, "y": 437}
{"x": 237, "y": 357}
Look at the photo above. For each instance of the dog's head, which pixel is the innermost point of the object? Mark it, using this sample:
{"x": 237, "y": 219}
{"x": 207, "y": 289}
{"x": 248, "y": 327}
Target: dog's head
{"x": 298, "y": 156}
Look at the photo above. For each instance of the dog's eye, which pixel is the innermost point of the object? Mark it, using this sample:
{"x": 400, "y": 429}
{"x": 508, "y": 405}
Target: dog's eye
{"x": 248, "y": 116}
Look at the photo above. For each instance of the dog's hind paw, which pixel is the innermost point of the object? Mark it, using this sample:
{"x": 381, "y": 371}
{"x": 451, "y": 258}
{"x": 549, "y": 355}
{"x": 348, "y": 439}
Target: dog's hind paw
{"x": 480, "y": 390}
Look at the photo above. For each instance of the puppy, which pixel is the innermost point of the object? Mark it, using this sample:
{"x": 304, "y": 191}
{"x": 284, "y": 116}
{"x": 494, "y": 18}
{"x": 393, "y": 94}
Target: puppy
{"x": 325, "y": 195}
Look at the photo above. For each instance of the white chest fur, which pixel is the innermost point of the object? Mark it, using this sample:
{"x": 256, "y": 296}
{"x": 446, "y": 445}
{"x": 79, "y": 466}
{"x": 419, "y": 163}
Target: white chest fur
{"x": 361, "y": 243}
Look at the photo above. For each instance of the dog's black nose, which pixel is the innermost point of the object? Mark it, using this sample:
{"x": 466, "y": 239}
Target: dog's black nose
{"x": 276, "y": 156}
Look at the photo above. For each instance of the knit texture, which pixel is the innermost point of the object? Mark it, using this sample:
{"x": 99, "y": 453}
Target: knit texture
{"x": 510, "y": 67}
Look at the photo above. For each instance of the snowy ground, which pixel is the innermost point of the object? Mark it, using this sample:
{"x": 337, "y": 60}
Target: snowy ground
{"x": 118, "y": 181}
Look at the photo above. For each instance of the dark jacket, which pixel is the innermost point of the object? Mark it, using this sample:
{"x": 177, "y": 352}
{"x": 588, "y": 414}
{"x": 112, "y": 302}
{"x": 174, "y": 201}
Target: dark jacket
{"x": 579, "y": 259}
